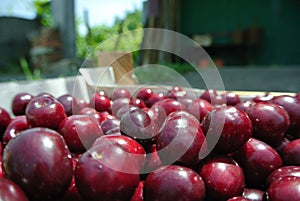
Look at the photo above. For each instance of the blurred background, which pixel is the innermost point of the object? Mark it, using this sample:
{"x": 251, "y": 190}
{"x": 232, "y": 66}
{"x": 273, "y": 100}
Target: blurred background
{"x": 255, "y": 44}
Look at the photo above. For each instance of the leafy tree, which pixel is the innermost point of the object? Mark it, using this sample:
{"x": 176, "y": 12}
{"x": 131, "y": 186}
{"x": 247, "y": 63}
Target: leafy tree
{"x": 43, "y": 9}
{"x": 98, "y": 34}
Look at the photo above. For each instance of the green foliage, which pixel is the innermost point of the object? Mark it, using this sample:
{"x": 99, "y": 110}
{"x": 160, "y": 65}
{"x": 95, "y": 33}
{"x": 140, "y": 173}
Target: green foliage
{"x": 35, "y": 75}
{"x": 106, "y": 38}
{"x": 43, "y": 8}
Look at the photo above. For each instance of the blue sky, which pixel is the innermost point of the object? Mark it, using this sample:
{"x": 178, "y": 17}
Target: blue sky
{"x": 100, "y": 11}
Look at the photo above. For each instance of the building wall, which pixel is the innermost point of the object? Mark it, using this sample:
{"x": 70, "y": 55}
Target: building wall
{"x": 279, "y": 19}
{"x": 14, "y": 38}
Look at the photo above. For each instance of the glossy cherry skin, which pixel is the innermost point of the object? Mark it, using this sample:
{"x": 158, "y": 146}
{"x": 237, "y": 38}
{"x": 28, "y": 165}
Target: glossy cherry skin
{"x": 138, "y": 125}
{"x": 1, "y": 161}
{"x": 238, "y": 198}
{"x": 81, "y": 103}
{"x": 287, "y": 188}
{"x": 270, "y": 122}
{"x": 155, "y": 97}
{"x": 118, "y": 103}
{"x": 44, "y": 94}
{"x": 110, "y": 126}
{"x": 9, "y": 191}
{"x": 137, "y": 103}
{"x": 70, "y": 104}
{"x": 176, "y": 92}
{"x": 222, "y": 180}
{"x": 282, "y": 144}
{"x": 16, "y": 125}
{"x": 292, "y": 106}
{"x": 4, "y": 120}
{"x": 174, "y": 183}
{"x": 98, "y": 174}
{"x": 258, "y": 160}
{"x": 170, "y": 105}
{"x": 80, "y": 132}
{"x": 212, "y": 96}
{"x": 100, "y": 103}
{"x": 152, "y": 160}
{"x": 133, "y": 151}
{"x": 265, "y": 98}
{"x": 208, "y": 94}
{"x": 281, "y": 172}
{"x": 237, "y": 128}
{"x": 145, "y": 95}
{"x": 199, "y": 108}
{"x": 230, "y": 98}
{"x": 20, "y": 102}
{"x": 120, "y": 93}
{"x": 180, "y": 139}
{"x": 253, "y": 194}
{"x": 124, "y": 109}
{"x": 45, "y": 111}
{"x": 245, "y": 105}
{"x": 72, "y": 193}
{"x": 157, "y": 115}
{"x": 39, "y": 161}
{"x": 93, "y": 113}
{"x": 185, "y": 101}
{"x": 291, "y": 152}
{"x": 138, "y": 193}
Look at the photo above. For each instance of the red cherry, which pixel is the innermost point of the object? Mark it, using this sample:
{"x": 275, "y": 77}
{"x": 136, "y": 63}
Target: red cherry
{"x": 287, "y": 188}
{"x": 16, "y": 125}
{"x": 39, "y": 161}
{"x": 45, "y": 111}
{"x": 235, "y": 131}
{"x": 180, "y": 139}
{"x": 80, "y": 132}
{"x": 292, "y": 106}
{"x": 120, "y": 93}
{"x": 110, "y": 164}
{"x": 258, "y": 160}
{"x": 5, "y": 119}
{"x": 9, "y": 191}
{"x": 222, "y": 180}
{"x": 290, "y": 153}
{"x": 19, "y": 103}
{"x": 270, "y": 122}
{"x": 174, "y": 183}
{"x": 199, "y": 108}
{"x": 100, "y": 103}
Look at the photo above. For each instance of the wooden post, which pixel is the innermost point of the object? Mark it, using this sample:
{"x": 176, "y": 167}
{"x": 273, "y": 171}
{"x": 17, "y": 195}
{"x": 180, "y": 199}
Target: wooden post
{"x": 63, "y": 19}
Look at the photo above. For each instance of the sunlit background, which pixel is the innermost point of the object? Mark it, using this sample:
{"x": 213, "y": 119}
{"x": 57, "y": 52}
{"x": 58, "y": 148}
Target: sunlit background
{"x": 50, "y": 38}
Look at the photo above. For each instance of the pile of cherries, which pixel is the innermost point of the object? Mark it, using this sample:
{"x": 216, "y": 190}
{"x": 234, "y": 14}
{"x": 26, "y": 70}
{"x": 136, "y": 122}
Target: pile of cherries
{"x": 150, "y": 146}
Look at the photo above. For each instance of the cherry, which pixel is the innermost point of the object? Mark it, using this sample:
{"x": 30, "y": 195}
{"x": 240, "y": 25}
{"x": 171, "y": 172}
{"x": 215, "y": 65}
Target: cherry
{"x": 9, "y": 191}
{"x": 180, "y": 139}
{"x": 45, "y": 111}
{"x": 5, "y": 119}
{"x": 258, "y": 160}
{"x": 39, "y": 161}
{"x": 222, "y": 180}
{"x": 174, "y": 183}
{"x": 270, "y": 122}
{"x": 100, "y": 103}
{"x": 287, "y": 188}
{"x": 109, "y": 163}
{"x": 231, "y": 125}
{"x": 16, "y": 125}
{"x": 80, "y": 132}
{"x": 19, "y": 103}
{"x": 199, "y": 108}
